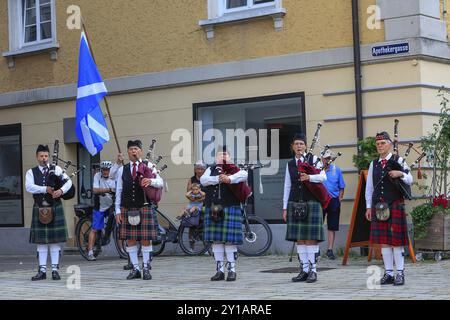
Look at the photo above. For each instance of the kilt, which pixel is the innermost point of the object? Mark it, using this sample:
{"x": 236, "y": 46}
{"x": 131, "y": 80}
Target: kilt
{"x": 229, "y": 230}
{"x": 394, "y": 231}
{"x": 146, "y": 230}
{"x": 311, "y": 228}
{"x": 54, "y": 232}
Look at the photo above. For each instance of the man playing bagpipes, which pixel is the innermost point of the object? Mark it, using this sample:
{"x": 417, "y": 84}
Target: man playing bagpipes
{"x": 386, "y": 208}
{"x": 304, "y": 197}
{"x": 135, "y": 216}
{"x": 225, "y": 189}
{"x": 48, "y": 224}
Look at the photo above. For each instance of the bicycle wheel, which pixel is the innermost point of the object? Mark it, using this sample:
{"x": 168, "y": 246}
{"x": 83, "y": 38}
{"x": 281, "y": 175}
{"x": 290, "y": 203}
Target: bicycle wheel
{"x": 120, "y": 245}
{"x": 82, "y": 231}
{"x": 191, "y": 240}
{"x": 258, "y": 240}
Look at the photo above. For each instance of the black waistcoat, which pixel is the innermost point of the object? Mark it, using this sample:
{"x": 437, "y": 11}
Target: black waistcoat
{"x": 132, "y": 192}
{"x": 227, "y": 198}
{"x": 385, "y": 189}
{"x": 41, "y": 180}
{"x": 296, "y": 185}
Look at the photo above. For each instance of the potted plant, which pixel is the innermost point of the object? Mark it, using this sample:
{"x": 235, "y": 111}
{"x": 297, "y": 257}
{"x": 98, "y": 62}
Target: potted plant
{"x": 431, "y": 220}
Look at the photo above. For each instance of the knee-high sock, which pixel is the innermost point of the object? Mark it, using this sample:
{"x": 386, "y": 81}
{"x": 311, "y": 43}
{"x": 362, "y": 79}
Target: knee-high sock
{"x": 133, "y": 253}
{"x": 312, "y": 251}
{"x": 55, "y": 251}
{"x": 42, "y": 250}
{"x": 146, "y": 254}
{"x": 388, "y": 260}
{"x": 399, "y": 258}
{"x": 231, "y": 251}
{"x": 219, "y": 250}
{"x": 303, "y": 257}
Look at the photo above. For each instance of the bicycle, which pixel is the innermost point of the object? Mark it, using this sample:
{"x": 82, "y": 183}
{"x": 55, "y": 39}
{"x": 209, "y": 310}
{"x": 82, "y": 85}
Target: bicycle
{"x": 103, "y": 238}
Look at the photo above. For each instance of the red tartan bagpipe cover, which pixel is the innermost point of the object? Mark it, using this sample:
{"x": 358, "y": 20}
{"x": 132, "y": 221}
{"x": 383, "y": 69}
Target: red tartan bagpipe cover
{"x": 240, "y": 190}
{"x": 153, "y": 194}
{"x": 317, "y": 189}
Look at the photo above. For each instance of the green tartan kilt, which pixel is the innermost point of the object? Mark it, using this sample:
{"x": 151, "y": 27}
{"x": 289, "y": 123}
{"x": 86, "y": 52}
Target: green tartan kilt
{"x": 229, "y": 230}
{"x": 54, "y": 232}
{"x": 310, "y": 229}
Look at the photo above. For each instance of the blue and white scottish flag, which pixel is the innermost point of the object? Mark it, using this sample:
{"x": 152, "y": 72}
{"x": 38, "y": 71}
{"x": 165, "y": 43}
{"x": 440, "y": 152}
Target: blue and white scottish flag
{"x": 90, "y": 124}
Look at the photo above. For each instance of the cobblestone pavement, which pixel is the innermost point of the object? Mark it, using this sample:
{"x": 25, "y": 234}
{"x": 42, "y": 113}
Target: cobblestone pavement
{"x": 182, "y": 277}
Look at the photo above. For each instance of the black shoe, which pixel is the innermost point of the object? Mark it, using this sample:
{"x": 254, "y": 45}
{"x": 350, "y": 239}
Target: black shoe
{"x": 330, "y": 254}
{"x": 302, "y": 276}
{"x": 128, "y": 266}
{"x": 399, "y": 279}
{"x": 387, "y": 279}
{"x": 55, "y": 275}
{"x": 146, "y": 274}
{"x": 134, "y": 274}
{"x": 39, "y": 276}
{"x": 231, "y": 276}
{"x": 312, "y": 277}
{"x": 218, "y": 276}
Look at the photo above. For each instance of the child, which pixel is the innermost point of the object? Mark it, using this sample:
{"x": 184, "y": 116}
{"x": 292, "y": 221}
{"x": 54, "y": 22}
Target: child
{"x": 196, "y": 197}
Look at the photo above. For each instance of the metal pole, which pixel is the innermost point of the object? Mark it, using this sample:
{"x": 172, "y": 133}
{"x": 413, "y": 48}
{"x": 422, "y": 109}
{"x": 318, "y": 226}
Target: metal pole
{"x": 104, "y": 98}
{"x": 357, "y": 68}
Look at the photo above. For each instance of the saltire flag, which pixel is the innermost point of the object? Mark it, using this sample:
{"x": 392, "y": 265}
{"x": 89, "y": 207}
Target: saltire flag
{"x": 90, "y": 124}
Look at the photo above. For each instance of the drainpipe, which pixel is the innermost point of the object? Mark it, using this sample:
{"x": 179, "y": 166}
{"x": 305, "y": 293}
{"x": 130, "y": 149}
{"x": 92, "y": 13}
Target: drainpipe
{"x": 357, "y": 68}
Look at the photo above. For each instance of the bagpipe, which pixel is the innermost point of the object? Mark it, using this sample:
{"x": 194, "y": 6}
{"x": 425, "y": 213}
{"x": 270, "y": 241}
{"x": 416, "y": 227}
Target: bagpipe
{"x": 317, "y": 189}
{"x": 241, "y": 190}
{"x": 394, "y": 164}
{"x": 55, "y": 181}
{"x": 145, "y": 170}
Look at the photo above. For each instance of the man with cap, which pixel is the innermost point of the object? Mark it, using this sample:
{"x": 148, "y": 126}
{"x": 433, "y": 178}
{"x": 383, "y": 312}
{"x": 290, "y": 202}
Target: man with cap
{"x": 335, "y": 186}
{"x": 47, "y": 229}
{"x": 309, "y": 232}
{"x": 386, "y": 208}
{"x": 136, "y": 219}
{"x": 223, "y": 216}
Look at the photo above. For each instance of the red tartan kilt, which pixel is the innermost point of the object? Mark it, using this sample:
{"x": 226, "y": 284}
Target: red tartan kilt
{"x": 394, "y": 231}
{"x": 146, "y": 230}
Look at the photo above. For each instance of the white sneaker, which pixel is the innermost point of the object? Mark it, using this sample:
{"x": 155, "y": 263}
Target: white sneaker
{"x": 91, "y": 257}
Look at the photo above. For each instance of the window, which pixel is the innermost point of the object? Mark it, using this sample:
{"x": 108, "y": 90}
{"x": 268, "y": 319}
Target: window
{"x": 32, "y": 28}
{"x": 244, "y": 4}
{"x": 231, "y": 11}
{"x": 37, "y": 21}
{"x": 11, "y": 197}
{"x": 282, "y": 112}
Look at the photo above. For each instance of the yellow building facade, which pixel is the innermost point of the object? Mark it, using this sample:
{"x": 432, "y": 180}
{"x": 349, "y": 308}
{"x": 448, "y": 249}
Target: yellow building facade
{"x": 238, "y": 64}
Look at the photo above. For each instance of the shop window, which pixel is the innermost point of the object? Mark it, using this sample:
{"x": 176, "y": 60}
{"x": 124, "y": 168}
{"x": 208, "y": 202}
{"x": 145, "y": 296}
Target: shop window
{"x": 11, "y": 194}
{"x": 281, "y": 113}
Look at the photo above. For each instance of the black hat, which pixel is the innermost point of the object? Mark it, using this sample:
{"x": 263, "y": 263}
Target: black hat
{"x": 383, "y": 136}
{"x": 42, "y": 148}
{"x": 299, "y": 136}
{"x": 135, "y": 143}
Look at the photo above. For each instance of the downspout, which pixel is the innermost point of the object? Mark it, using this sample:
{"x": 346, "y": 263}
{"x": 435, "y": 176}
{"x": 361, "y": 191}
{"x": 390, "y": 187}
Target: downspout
{"x": 357, "y": 68}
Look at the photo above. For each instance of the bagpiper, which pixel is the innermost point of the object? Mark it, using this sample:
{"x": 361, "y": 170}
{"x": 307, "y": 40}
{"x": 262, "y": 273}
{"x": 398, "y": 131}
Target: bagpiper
{"x": 137, "y": 219}
{"x": 386, "y": 208}
{"x": 304, "y": 224}
{"x": 48, "y": 223}
{"x": 223, "y": 215}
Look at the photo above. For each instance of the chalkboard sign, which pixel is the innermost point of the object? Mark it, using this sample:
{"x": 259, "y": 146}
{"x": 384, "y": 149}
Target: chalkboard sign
{"x": 359, "y": 231}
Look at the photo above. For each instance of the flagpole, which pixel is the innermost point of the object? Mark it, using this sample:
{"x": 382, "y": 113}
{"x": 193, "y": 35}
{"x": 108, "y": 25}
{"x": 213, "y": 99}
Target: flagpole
{"x": 104, "y": 97}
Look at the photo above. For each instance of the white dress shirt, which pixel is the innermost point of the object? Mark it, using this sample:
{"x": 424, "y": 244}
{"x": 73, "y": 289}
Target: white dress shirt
{"x": 407, "y": 178}
{"x": 207, "y": 180}
{"x": 314, "y": 178}
{"x": 33, "y": 188}
{"x": 155, "y": 183}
